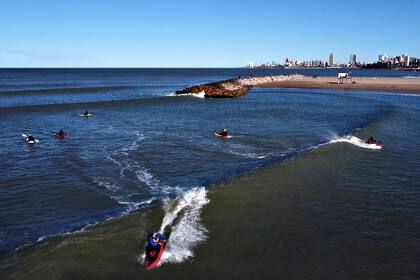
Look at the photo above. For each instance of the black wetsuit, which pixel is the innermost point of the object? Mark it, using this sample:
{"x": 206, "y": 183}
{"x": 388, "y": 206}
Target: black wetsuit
{"x": 30, "y": 138}
{"x": 371, "y": 140}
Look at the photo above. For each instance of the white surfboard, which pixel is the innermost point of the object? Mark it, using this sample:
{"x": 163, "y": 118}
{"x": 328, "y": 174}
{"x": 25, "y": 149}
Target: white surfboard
{"x": 30, "y": 142}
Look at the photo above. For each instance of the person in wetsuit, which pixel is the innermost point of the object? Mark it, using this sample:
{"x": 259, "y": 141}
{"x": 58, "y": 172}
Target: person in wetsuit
{"x": 371, "y": 140}
{"x": 154, "y": 242}
{"x": 30, "y": 138}
{"x": 60, "y": 133}
{"x": 223, "y": 133}
{"x": 86, "y": 114}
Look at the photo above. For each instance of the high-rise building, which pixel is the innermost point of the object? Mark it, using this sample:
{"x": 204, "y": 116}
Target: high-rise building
{"x": 404, "y": 60}
{"x": 382, "y": 58}
{"x": 331, "y": 60}
{"x": 353, "y": 59}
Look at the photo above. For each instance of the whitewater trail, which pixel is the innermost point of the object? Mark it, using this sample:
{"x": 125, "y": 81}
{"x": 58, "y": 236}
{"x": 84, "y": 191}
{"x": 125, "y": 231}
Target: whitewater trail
{"x": 128, "y": 166}
{"x": 197, "y": 95}
{"x": 356, "y": 141}
{"x": 182, "y": 219}
{"x": 182, "y": 216}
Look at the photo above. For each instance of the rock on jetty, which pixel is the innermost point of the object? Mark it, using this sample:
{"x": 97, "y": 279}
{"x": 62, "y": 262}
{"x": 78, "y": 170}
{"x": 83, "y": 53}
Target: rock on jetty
{"x": 234, "y": 87}
{"x": 221, "y": 89}
{"x": 257, "y": 81}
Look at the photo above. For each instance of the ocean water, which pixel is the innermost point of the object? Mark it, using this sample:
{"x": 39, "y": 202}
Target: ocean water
{"x": 295, "y": 192}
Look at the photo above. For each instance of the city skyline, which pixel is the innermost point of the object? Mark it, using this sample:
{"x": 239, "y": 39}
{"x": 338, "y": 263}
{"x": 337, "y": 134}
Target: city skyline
{"x": 198, "y": 34}
{"x": 402, "y": 60}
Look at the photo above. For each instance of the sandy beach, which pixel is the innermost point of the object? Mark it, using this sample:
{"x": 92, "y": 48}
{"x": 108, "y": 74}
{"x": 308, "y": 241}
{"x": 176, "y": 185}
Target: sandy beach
{"x": 411, "y": 85}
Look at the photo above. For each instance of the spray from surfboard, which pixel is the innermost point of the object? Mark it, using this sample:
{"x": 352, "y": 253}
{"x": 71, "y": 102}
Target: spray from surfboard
{"x": 182, "y": 219}
{"x": 357, "y": 142}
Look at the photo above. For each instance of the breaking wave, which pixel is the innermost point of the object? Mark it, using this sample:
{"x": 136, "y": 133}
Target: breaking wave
{"x": 356, "y": 141}
{"x": 197, "y": 95}
{"x": 183, "y": 223}
{"x": 182, "y": 216}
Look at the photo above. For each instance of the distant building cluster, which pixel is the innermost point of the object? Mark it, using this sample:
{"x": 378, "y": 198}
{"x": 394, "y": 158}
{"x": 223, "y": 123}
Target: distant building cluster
{"x": 384, "y": 62}
{"x": 401, "y": 60}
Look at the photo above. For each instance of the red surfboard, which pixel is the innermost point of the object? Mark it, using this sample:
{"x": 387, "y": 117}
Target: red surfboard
{"x": 152, "y": 257}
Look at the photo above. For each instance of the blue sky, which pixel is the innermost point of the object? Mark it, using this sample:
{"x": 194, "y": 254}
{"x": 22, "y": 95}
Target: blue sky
{"x": 214, "y": 33}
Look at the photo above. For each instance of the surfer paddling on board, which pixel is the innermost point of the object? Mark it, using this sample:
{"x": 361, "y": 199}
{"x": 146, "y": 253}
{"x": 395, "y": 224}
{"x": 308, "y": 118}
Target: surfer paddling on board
{"x": 371, "y": 140}
{"x": 60, "y": 134}
{"x": 30, "y": 138}
{"x": 223, "y": 133}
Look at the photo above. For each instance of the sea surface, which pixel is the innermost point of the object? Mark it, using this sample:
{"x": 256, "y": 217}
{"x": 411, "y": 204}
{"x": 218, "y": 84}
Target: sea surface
{"x": 294, "y": 193}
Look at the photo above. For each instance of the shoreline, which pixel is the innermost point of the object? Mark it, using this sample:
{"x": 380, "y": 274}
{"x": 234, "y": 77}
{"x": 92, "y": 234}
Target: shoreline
{"x": 407, "y": 85}
{"x": 240, "y": 86}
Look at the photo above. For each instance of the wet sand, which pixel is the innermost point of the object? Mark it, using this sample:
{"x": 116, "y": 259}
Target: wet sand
{"x": 409, "y": 85}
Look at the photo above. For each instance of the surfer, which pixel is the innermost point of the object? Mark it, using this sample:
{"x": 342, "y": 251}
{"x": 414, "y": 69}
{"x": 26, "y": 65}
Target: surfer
{"x": 60, "y": 134}
{"x": 154, "y": 249}
{"x": 223, "y": 133}
{"x": 371, "y": 140}
{"x": 155, "y": 239}
{"x": 30, "y": 138}
{"x": 86, "y": 114}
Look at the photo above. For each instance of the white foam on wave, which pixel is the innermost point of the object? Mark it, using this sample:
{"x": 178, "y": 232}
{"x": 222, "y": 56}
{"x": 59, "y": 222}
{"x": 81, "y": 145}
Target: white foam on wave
{"x": 248, "y": 155}
{"x": 125, "y": 163}
{"x": 197, "y": 95}
{"x": 110, "y": 187}
{"x": 356, "y": 141}
{"x": 135, "y": 144}
{"x": 182, "y": 217}
{"x": 145, "y": 176}
{"x": 132, "y": 206}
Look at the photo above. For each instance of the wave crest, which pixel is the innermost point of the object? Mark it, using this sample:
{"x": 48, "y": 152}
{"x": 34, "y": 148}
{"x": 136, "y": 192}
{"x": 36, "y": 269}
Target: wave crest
{"x": 357, "y": 142}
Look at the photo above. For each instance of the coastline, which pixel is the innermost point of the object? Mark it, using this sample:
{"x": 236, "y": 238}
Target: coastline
{"x": 240, "y": 86}
{"x": 408, "y": 85}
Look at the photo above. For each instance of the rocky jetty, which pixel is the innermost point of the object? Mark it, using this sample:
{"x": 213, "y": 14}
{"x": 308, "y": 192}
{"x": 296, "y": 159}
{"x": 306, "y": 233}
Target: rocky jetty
{"x": 222, "y": 89}
{"x": 238, "y": 87}
{"x": 259, "y": 81}
{"x": 234, "y": 87}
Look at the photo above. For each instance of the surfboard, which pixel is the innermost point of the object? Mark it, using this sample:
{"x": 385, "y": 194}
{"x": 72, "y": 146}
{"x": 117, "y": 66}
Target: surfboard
{"x": 30, "y": 142}
{"x": 152, "y": 257}
{"x": 83, "y": 115}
